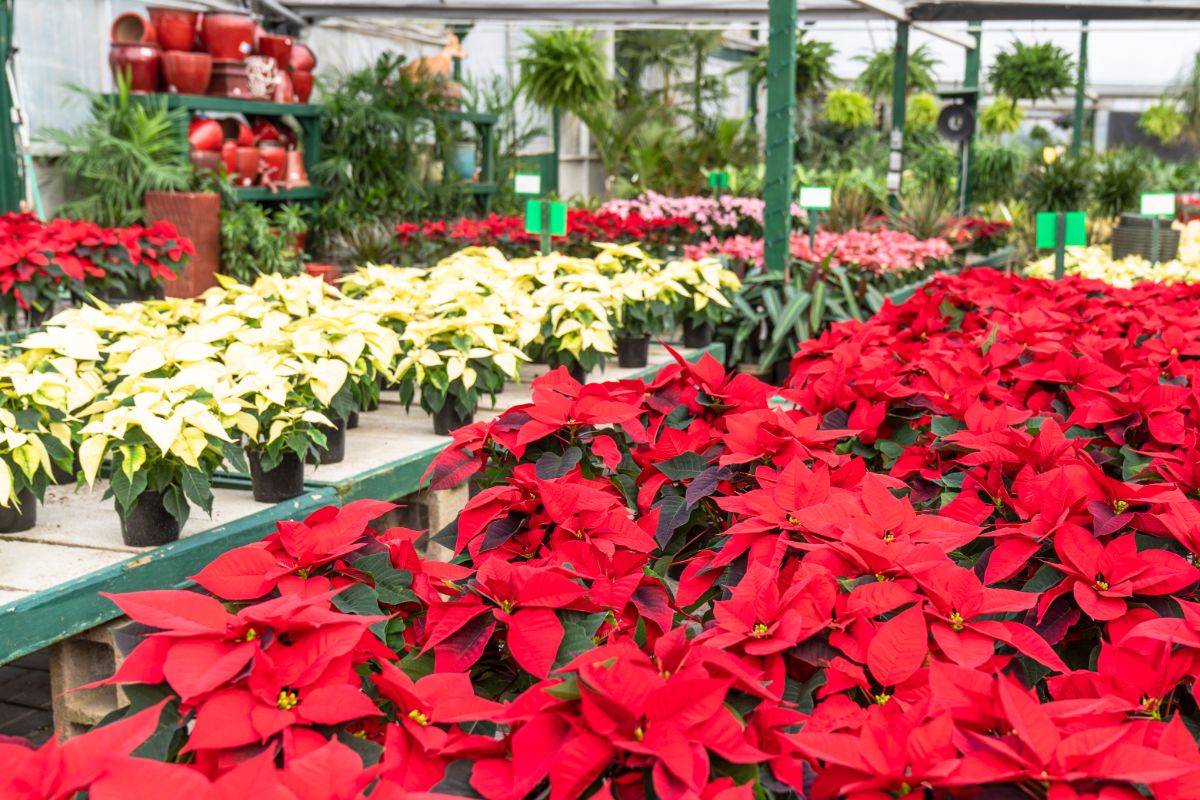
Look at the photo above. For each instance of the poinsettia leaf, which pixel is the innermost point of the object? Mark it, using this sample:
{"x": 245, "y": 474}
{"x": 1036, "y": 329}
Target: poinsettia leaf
{"x": 898, "y": 647}
{"x": 684, "y": 466}
{"x": 705, "y": 484}
{"x": 551, "y": 466}
{"x": 673, "y": 512}
{"x": 239, "y": 574}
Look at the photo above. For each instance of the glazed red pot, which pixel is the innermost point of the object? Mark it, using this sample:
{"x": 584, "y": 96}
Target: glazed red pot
{"x": 246, "y": 163}
{"x": 264, "y": 131}
{"x": 229, "y": 150}
{"x": 284, "y": 93}
{"x": 273, "y": 158}
{"x": 175, "y": 28}
{"x": 302, "y": 83}
{"x": 186, "y": 73}
{"x": 141, "y": 61}
{"x": 132, "y": 28}
{"x": 277, "y": 47}
{"x": 302, "y": 59}
{"x": 229, "y": 79}
{"x": 205, "y": 134}
{"x": 228, "y": 36}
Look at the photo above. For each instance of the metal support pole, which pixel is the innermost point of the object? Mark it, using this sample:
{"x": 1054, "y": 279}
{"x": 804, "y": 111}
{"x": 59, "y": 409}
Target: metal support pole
{"x": 1060, "y": 245}
{"x": 899, "y": 103}
{"x": 1080, "y": 89}
{"x": 781, "y": 131}
{"x": 970, "y": 81}
{"x": 544, "y": 208}
{"x": 12, "y": 184}
{"x": 1155, "y": 238}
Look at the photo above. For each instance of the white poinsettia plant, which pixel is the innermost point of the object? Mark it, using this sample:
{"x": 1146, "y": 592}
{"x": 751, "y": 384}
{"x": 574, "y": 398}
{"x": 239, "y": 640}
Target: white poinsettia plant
{"x": 709, "y": 287}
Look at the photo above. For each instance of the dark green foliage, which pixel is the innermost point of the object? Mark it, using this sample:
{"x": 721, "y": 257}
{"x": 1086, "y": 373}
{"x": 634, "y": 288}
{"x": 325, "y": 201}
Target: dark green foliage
{"x": 1119, "y": 178}
{"x": 1031, "y": 71}
{"x": 255, "y": 241}
{"x": 876, "y": 77}
{"x": 1059, "y": 186}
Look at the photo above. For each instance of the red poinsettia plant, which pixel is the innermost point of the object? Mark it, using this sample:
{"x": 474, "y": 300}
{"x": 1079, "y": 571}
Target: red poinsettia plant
{"x": 959, "y": 563}
{"x": 40, "y": 262}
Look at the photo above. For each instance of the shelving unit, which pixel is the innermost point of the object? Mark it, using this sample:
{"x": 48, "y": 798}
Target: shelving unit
{"x": 485, "y": 132}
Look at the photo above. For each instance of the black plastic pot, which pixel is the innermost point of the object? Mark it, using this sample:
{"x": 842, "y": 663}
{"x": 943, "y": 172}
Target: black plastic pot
{"x": 448, "y": 420}
{"x": 1134, "y": 236}
{"x": 283, "y": 482}
{"x": 62, "y": 477}
{"x": 697, "y": 335}
{"x": 371, "y": 405}
{"x": 352, "y": 421}
{"x": 633, "y": 352}
{"x": 578, "y": 372}
{"x": 21, "y": 515}
{"x": 335, "y": 446}
{"x": 148, "y": 523}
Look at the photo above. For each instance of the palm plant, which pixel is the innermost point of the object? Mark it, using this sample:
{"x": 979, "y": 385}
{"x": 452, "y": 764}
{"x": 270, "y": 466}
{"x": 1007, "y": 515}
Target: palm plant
{"x": 565, "y": 70}
{"x": 1061, "y": 185}
{"x": 876, "y": 78}
{"x": 127, "y": 148}
{"x": 814, "y": 66}
{"x": 1118, "y": 179}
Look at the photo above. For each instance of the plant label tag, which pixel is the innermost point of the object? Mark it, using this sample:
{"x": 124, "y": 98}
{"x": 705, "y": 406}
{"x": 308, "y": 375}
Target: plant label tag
{"x": 817, "y": 198}
{"x": 533, "y": 217}
{"x": 1074, "y": 233}
{"x": 718, "y": 180}
{"x": 558, "y": 219}
{"x": 527, "y": 183}
{"x": 1158, "y": 204}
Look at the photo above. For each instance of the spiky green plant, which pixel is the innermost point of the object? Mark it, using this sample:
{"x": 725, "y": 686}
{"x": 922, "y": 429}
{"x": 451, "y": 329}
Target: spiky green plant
{"x": 565, "y": 70}
{"x": 876, "y": 77}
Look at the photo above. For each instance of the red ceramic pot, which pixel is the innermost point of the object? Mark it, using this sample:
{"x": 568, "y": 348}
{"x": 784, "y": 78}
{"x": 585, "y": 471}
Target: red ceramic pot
{"x": 297, "y": 175}
{"x": 245, "y": 135}
{"x": 228, "y": 36}
{"x": 205, "y": 160}
{"x": 186, "y": 73}
{"x": 327, "y": 272}
{"x": 175, "y": 28}
{"x": 205, "y": 134}
{"x": 277, "y": 47}
{"x": 284, "y": 93}
{"x": 132, "y": 28}
{"x": 302, "y": 59}
{"x": 264, "y": 131}
{"x": 246, "y": 166}
{"x": 273, "y": 158}
{"x": 229, "y": 150}
{"x": 140, "y": 61}
{"x": 302, "y": 82}
{"x": 229, "y": 79}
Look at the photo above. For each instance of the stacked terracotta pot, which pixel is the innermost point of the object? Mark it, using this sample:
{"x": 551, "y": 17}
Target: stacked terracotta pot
{"x": 221, "y": 54}
{"x": 264, "y": 154}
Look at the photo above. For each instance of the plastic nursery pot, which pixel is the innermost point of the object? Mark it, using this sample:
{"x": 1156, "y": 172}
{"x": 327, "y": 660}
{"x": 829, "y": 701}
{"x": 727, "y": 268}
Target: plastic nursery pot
{"x": 352, "y": 421}
{"x": 633, "y": 351}
{"x": 448, "y": 420}
{"x": 697, "y": 335}
{"x": 148, "y": 523}
{"x": 577, "y": 372}
{"x": 20, "y": 515}
{"x": 283, "y": 482}
{"x": 335, "y": 446}
{"x": 63, "y": 477}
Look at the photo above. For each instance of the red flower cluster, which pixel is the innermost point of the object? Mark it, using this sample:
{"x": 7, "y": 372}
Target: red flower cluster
{"x": 961, "y": 568}
{"x": 431, "y": 240}
{"x": 977, "y": 234}
{"x": 38, "y": 258}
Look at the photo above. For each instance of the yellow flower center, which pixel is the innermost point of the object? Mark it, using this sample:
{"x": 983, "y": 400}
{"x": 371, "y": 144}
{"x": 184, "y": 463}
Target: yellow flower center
{"x": 287, "y": 700}
{"x": 418, "y": 717}
{"x": 882, "y": 698}
{"x": 251, "y": 635}
{"x": 956, "y": 620}
{"x": 638, "y": 733}
{"x": 792, "y": 520}
{"x": 1119, "y": 506}
{"x": 506, "y": 606}
{"x": 1102, "y": 585}
{"x": 759, "y": 630}
{"x": 879, "y": 576}
{"x": 889, "y": 537}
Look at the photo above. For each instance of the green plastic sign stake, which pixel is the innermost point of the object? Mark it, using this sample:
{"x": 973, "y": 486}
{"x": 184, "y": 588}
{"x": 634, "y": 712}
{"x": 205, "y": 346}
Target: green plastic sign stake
{"x": 1059, "y": 230}
{"x": 717, "y": 181}
{"x": 545, "y": 219}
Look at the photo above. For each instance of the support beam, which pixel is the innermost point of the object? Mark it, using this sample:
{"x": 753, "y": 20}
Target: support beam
{"x": 1080, "y": 92}
{"x": 899, "y": 108}
{"x": 781, "y": 134}
{"x": 970, "y": 81}
{"x": 894, "y": 10}
{"x": 12, "y": 184}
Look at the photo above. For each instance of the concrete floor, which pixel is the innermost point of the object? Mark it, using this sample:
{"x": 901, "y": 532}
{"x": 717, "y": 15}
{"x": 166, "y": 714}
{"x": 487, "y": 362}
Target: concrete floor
{"x": 25, "y": 698}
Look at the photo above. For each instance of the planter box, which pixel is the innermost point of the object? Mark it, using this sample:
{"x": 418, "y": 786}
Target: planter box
{"x": 197, "y": 215}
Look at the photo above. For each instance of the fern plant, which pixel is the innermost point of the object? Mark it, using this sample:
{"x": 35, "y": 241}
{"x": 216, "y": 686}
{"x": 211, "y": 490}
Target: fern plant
{"x": 1031, "y": 71}
{"x": 565, "y": 70}
{"x": 1002, "y": 116}
{"x": 876, "y": 78}
{"x": 127, "y": 148}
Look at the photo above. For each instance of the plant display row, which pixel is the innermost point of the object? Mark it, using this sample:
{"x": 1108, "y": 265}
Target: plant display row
{"x": 875, "y": 252}
{"x": 1096, "y": 263}
{"x": 962, "y": 566}
{"x": 165, "y": 392}
{"x": 41, "y": 262}
{"x": 661, "y": 224}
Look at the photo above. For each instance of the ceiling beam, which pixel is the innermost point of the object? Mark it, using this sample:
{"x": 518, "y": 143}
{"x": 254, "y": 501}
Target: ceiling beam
{"x": 892, "y": 9}
{"x": 1008, "y": 10}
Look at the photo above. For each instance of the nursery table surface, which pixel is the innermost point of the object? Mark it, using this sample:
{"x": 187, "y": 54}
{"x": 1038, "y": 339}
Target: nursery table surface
{"x": 51, "y": 575}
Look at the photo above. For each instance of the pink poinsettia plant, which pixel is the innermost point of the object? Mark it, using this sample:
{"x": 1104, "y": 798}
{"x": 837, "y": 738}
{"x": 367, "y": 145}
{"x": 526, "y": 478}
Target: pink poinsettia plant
{"x": 959, "y": 563}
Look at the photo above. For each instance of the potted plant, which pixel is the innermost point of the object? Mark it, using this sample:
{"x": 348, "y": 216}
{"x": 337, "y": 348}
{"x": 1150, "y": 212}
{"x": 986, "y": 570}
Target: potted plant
{"x": 576, "y": 333}
{"x": 644, "y": 302}
{"x": 707, "y": 303}
{"x": 276, "y": 444}
{"x": 26, "y": 461}
{"x": 257, "y": 242}
{"x": 449, "y": 362}
{"x": 165, "y": 443}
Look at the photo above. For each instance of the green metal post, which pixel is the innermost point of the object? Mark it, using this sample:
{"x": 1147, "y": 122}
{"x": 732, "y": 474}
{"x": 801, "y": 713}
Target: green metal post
{"x": 1060, "y": 245}
{"x": 544, "y": 207}
{"x": 1080, "y": 88}
{"x": 781, "y": 132}
{"x": 970, "y": 81}
{"x": 752, "y": 85}
{"x": 899, "y": 107}
{"x": 12, "y": 185}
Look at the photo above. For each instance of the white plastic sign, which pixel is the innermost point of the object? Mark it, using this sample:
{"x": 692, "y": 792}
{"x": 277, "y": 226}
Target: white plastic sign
{"x": 527, "y": 183}
{"x": 1158, "y": 204}
{"x": 817, "y": 197}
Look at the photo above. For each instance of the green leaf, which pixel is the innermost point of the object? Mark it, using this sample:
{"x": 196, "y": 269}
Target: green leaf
{"x": 816, "y": 312}
{"x": 683, "y": 466}
{"x": 197, "y": 486}
{"x": 944, "y": 426}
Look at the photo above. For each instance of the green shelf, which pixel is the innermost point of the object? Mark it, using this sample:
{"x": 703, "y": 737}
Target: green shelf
{"x": 234, "y": 105}
{"x": 262, "y": 193}
{"x": 476, "y": 188}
